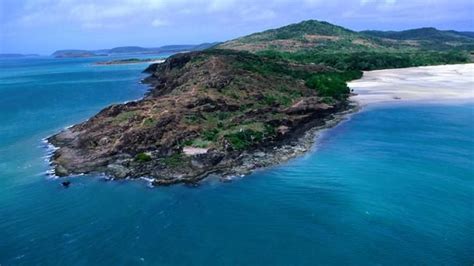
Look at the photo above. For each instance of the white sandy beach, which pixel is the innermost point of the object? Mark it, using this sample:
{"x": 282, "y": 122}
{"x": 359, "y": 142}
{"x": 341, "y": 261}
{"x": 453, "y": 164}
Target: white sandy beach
{"x": 431, "y": 83}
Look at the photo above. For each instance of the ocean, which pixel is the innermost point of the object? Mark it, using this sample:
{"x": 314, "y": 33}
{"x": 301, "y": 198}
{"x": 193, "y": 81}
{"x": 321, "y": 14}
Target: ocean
{"x": 392, "y": 185}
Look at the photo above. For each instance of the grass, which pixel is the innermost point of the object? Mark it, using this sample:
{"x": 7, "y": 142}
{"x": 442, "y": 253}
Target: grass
{"x": 200, "y": 143}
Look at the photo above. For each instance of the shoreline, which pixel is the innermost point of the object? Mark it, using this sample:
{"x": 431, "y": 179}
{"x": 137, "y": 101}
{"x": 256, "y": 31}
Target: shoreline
{"x": 259, "y": 159}
{"x": 436, "y": 84}
{"x": 295, "y": 146}
{"x": 129, "y": 61}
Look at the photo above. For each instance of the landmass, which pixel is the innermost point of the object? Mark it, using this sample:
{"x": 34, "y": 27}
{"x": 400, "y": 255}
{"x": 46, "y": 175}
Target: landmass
{"x": 131, "y": 50}
{"x": 244, "y": 104}
{"x": 17, "y": 55}
{"x": 130, "y": 61}
{"x": 73, "y": 54}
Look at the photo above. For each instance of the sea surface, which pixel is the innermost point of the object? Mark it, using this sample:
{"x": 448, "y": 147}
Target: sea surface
{"x": 392, "y": 185}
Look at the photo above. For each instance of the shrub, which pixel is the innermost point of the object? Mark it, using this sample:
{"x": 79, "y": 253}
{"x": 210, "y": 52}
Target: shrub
{"x": 174, "y": 160}
{"x": 142, "y": 157}
{"x": 149, "y": 122}
{"x": 210, "y": 135}
{"x": 242, "y": 139}
{"x": 124, "y": 116}
{"x": 328, "y": 85}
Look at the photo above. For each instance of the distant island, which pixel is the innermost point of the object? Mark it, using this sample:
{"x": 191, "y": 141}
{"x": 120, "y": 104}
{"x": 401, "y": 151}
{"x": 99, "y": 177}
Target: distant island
{"x": 17, "y": 55}
{"x": 244, "y": 104}
{"x": 130, "y": 50}
{"x": 130, "y": 61}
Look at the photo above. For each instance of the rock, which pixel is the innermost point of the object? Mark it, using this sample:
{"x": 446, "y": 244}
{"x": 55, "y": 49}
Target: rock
{"x": 194, "y": 151}
{"x": 104, "y": 141}
{"x": 282, "y": 130}
{"x": 66, "y": 184}
{"x": 197, "y": 163}
{"x": 308, "y": 105}
{"x": 61, "y": 171}
{"x": 117, "y": 171}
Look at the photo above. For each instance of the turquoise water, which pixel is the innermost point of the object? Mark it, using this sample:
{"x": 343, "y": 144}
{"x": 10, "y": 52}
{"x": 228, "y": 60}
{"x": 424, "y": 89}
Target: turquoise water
{"x": 393, "y": 185}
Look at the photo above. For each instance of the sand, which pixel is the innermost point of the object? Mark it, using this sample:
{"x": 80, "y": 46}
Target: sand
{"x": 431, "y": 83}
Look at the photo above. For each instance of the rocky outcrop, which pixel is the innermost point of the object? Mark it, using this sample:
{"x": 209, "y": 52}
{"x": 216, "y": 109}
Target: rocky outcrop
{"x": 230, "y": 106}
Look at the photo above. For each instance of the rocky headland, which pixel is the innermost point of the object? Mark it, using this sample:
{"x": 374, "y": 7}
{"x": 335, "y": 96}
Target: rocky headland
{"x": 207, "y": 113}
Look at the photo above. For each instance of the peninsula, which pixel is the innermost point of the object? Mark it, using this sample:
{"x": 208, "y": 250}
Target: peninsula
{"x": 244, "y": 104}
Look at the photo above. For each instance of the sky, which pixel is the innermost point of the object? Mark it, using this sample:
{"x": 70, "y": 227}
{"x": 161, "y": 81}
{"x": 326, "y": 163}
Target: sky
{"x": 43, "y": 26}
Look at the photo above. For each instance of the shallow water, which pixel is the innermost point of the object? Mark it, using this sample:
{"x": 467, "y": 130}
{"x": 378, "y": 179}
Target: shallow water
{"x": 393, "y": 185}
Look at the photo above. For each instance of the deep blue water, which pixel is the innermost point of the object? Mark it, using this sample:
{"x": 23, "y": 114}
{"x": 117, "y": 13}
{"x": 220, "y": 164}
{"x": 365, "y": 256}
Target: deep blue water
{"x": 394, "y": 185}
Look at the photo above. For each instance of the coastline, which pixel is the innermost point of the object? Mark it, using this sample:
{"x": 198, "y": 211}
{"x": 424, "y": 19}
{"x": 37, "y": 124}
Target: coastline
{"x": 442, "y": 83}
{"x": 294, "y": 146}
{"x": 129, "y": 61}
{"x": 307, "y": 142}
{"x": 259, "y": 159}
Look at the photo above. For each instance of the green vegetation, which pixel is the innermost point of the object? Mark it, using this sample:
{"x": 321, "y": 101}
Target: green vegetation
{"x": 239, "y": 135}
{"x": 174, "y": 160}
{"x": 421, "y": 34}
{"x": 328, "y": 85}
{"x": 277, "y": 99}
{"x": 198, "y": 143}
{"x": 124, "y": 117}
{"x": 299, "y": 30}
{"x": 142, "y": 157}
{"x": 149, "y": 122}
{"x": 332, "y": 85}
{"x": 191, "y": 118}
{"x": 371, "y": 60}
{"x": 210, "y": 135}
{"x": 241, "y": 138}
{"x": 348, "y": 66}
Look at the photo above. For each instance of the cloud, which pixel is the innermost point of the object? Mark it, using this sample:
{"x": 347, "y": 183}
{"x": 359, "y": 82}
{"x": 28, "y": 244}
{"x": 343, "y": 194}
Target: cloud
{"x": 159, "y": 23}
{"x": 220, "y": 5}
{"x": 87, "y": 13}
{"x": 190, "y": 21}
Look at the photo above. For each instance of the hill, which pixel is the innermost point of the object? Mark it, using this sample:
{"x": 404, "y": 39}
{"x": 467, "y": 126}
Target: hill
{"x": 311, "y": 34}
{"x": 319, "y": 42}
{"x": 426, "y": 34}
{"x": 320, "y": 36}
{"x": 429, "y": 38}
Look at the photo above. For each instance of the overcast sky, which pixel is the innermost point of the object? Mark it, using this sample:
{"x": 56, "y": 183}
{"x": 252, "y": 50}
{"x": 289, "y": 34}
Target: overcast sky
{"x": 42, "y": 26}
